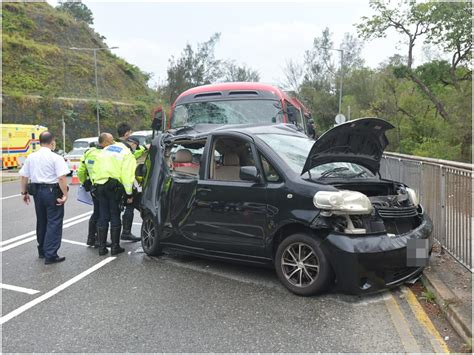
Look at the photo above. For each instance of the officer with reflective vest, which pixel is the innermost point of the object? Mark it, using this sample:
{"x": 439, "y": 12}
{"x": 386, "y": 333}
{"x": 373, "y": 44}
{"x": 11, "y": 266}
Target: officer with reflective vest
{"x": 124, "y": 131}
{"x": 85, "y": 173}
{"x": 114, "y": 174}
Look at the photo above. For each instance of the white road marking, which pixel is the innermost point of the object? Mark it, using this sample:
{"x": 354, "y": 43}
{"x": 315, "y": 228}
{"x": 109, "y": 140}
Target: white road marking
{"x": 27, "y": 240}
{"x": 137, "y": 223}
{"x": 14, "y": 245}
{"x": 54, "y": 291}
{"x": 4, "y": 198}
{"x": 18, "y": 289}
{"x": 73, "y": 242}
{"x": 14, "y": 239}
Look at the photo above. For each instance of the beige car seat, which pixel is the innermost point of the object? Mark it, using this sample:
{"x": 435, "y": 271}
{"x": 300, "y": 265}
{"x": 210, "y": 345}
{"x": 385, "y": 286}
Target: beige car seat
{"x": 185, "y": 156}
{"x": 230, "y": 170}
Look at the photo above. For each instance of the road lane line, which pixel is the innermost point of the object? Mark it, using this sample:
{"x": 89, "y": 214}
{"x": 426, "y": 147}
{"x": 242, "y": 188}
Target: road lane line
{"x": 27, "y": 240}
{"x": 437, "y": 340}
{"x": 14, "y": 245}
{"x": 73, "y": 242}
{"x": 14, "y": 239}
{"x": 401, "y": 325}
{"x": 4, "y": 198}
{"x": 18, "y": 289}
{"x": 54, "y": 291}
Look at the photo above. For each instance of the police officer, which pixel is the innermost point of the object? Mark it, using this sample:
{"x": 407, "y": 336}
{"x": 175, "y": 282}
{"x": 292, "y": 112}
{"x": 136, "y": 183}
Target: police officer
{"x": 114, "y": 173}
{"x": 124, "y": 131}
{"x": 46, "y": 172}
{"x": 85, "y": 173}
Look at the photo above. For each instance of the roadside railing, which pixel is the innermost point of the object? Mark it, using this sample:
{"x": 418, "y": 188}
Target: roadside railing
{"x": 445, "y": 190}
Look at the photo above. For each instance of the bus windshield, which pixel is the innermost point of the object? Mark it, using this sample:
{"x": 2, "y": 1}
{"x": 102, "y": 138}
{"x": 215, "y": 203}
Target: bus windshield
{"x": 227, "y": 112}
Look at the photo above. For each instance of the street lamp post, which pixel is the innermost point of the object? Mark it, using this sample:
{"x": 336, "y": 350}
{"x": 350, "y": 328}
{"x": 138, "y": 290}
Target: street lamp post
{"x": 94, "y": 50}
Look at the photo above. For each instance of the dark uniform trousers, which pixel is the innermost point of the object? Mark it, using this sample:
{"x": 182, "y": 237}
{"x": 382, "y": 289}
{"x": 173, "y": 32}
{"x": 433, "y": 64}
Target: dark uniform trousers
{"x": 95, "y": 214}
{"x": 49, "y": 221}
{"x": 109, "y": 206}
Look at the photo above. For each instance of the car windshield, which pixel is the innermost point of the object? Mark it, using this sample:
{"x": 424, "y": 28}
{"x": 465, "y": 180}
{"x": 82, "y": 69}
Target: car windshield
{"x": 227, "y": 112}
{"x": 80, "y": 144}
{"x": 294, "y": 151}
{"x": 142, "y": 139}
{"x": 75, "y": 151}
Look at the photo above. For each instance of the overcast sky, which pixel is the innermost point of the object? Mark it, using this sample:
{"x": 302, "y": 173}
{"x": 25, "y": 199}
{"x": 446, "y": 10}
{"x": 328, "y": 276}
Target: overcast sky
{"x": 261, "y": 35}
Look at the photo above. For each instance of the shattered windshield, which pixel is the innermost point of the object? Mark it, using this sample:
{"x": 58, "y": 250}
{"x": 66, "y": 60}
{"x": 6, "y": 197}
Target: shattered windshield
{"x": 227, "y": 112}
{"x": 294, "y": 151}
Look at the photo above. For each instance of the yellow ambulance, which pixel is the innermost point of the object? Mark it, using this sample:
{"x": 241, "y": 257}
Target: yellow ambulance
{"x": 18, "y": 141}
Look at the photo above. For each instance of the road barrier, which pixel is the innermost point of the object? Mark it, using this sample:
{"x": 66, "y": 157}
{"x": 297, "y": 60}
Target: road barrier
{"x": 445, "y": 190}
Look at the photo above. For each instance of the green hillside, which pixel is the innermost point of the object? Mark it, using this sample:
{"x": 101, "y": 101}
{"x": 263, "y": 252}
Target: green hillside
{"x": 44, "y": 80}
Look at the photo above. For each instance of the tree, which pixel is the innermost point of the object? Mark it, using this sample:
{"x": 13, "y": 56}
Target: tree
{"x": 78, "y": 10}
{"x": 447, "y": 25}
{"x": 293, "y": 73}
{"x": 234, "y": 73}
{"x": 193, "y": 68}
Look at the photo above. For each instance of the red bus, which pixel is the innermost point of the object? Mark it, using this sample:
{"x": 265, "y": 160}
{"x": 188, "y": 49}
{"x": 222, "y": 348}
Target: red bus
{"x": 237, "y": 103}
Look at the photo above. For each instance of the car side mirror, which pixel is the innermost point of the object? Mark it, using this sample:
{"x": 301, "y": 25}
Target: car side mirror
{"x": 249, "y": 173}
{"x": 159, "y": 118}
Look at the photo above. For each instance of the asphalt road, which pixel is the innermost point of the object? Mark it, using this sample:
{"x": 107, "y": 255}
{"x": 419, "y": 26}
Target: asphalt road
{"x": 135, "y": 303}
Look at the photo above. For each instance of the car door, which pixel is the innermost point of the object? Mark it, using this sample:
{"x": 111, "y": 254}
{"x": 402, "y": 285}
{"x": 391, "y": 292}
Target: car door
{"x": 230, "y": 213}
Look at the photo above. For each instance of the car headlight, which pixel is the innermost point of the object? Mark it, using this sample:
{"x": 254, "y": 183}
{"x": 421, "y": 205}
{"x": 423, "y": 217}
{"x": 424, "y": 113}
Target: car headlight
{"x": 413, "y": 196}
{"x": 343, "y": 202}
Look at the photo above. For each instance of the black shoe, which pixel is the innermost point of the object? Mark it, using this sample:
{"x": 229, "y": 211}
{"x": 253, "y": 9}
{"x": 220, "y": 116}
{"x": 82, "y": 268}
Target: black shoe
{"x": 92, "y": 235}
{"x": 127, "y": 235}
{"x": 127, "y": 222}
{"x": 102, "y": 237}
{"x": 55, "y": 260}
{"x": 40, "y": 256}
{"x": 107, "y": 244}
{"x": 115, "y": 236}
{"x": 40, "y": 253}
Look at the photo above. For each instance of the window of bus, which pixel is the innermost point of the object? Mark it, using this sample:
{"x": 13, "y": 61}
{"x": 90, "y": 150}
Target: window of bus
{"x": 227, "y": 112}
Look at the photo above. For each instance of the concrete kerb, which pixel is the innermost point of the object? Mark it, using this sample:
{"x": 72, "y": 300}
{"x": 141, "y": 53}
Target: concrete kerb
{"x": 447, "y": 302}
{"x": 9, "y": 176}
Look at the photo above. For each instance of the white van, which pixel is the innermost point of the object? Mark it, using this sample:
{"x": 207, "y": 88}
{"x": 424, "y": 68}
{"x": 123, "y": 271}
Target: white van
{"x": 143, "y": 136}
{"x": 73, "y": 158}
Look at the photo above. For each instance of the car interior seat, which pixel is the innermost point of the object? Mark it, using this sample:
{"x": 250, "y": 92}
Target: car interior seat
{"x": 230, "y": 169}
{"x": 183, "y": 162}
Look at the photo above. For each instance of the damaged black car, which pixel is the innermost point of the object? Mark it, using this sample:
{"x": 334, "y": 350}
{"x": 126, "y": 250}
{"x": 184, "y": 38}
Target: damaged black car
{"x": 317, "y": 211}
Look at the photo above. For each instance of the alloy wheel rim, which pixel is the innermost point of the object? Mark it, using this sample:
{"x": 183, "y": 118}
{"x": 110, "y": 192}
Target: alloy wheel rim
{"x": 148, "y": 234}
{"x": 300, "y": 264}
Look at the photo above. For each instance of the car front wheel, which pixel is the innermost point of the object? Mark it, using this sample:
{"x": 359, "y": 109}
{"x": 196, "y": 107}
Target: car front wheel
{"x": 302, "y": 266}
{"x": 149, "y": 236}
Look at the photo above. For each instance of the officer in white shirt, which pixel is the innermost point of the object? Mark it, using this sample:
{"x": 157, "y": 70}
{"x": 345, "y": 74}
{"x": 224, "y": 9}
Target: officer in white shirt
{"x": 44, "y": 177}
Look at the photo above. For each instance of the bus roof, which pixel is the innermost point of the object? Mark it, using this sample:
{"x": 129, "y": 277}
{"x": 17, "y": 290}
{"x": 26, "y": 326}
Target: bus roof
{"x": 234, "y": 86}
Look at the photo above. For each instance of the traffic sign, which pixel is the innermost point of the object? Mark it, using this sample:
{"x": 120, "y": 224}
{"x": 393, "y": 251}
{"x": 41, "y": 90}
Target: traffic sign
{"x": 340, "y": 118}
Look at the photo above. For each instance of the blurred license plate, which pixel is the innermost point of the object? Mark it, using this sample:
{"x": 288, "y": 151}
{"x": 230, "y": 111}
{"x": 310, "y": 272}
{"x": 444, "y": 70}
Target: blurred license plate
{"x": 417, "y": 252}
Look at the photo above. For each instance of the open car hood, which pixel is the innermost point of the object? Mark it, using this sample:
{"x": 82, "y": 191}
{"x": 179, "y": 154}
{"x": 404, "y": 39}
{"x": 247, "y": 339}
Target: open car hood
{"x": 360, "y": 141}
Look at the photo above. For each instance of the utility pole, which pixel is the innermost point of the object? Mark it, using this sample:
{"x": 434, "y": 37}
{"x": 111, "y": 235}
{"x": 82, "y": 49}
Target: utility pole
{"x": 94, "y": 50}
{"x": 64, "y": 134}
{"x": 342, "y": 74}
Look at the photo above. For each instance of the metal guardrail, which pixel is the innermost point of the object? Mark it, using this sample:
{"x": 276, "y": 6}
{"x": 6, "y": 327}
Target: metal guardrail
{"x": 445, "y": 190}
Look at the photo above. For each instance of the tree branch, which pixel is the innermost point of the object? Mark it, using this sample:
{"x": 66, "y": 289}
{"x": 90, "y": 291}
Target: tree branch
{"x": 439, "y": 106}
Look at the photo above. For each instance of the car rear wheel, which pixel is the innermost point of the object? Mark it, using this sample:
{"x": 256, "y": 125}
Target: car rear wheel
{"x": 149, "y": 236}
{"x": 302, "y": 266}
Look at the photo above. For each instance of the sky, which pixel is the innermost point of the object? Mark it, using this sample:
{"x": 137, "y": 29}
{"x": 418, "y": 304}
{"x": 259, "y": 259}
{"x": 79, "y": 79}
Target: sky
{"x": 263, "y": 36}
